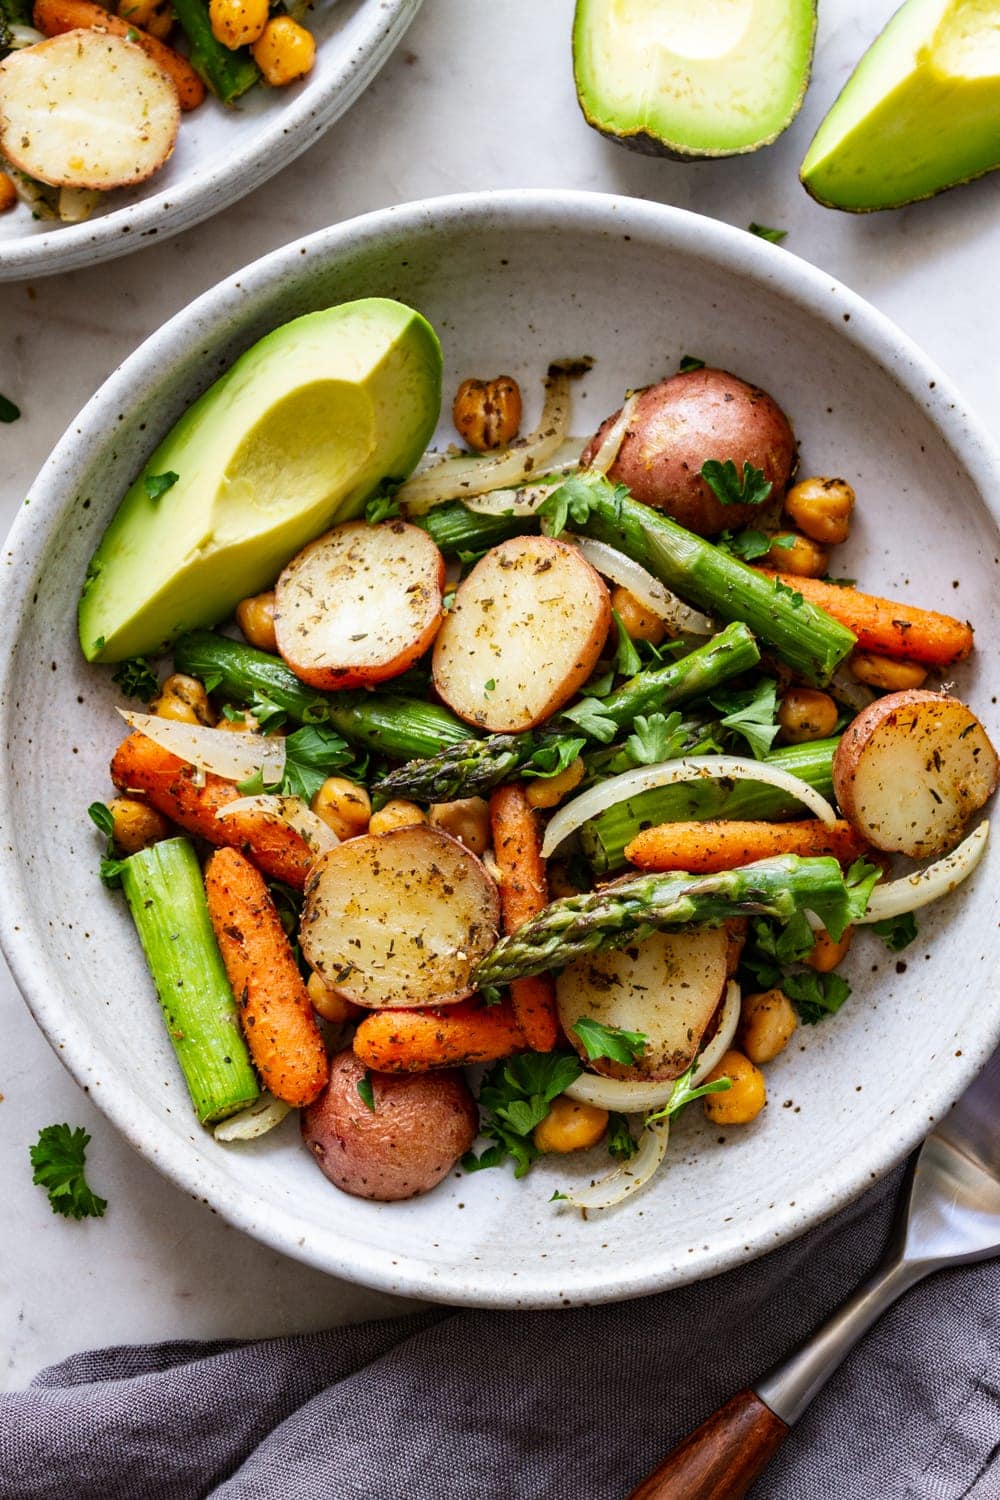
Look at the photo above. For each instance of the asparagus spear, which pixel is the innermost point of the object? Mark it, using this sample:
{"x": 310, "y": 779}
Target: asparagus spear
{"x": 455, "y": 528}
{"x": 603, "y": 838}
{"x": 165, "y": 893}
{"x": 613, "y": 916}
{"x": 385, "y": 722}
{"x": 462, "y": 770}
{"x": 227, "y": 74}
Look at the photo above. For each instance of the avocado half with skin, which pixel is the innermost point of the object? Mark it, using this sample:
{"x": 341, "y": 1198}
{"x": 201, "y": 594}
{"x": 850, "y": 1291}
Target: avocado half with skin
{"x": 920, "y": 113}
{"x": 297, "y": 435}
{"x": 692, "y": 79}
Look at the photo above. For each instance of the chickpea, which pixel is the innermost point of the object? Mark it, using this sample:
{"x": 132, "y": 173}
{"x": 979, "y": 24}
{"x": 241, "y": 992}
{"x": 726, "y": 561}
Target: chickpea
{"x": 884, "y": 672}
{"x": 570, "y": 1126}
{"x": 8, "y": 193}
{"x": 561, "y": 882}
{"x": 641, "y": 623}
{"x": 805, "y": 558}
{"x": 548, "y": 791}
{"x": 284, "y": 51}
{"x": 155, "y": 17}
{"x": 487, "y": 413}
{"x": 137, "y": 825}
{"x": 328, "y": 1004}
{"x": 826, "y": 954}
{"x": 467, "y": 819}
{"x": 255, "y": 617}
{"x": 343, "y": 806}
{"x": 396, "y": 814}
{"x": 821, "y": 508}
{"x": 767, "y": 1021}
{"x": 237, "y": 23}
{"x": 746, "y": 1098}
{"x": 806, "y": 714}
{"x": 184, "y": 699}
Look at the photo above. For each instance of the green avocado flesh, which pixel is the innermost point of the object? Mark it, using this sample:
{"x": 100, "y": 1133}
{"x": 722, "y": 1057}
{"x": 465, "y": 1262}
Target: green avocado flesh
{"x": 692, "y": 78}
{"x": 920, "y": 113}
{"x": 296, "y": 436}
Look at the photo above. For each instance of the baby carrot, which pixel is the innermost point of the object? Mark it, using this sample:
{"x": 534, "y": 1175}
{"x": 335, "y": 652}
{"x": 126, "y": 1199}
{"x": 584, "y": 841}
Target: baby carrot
{"x": 415, "y": 1041}
{"x": 888, "y": 628}
{"x": 704, "y": 848}
{"x": 524, "y": 891}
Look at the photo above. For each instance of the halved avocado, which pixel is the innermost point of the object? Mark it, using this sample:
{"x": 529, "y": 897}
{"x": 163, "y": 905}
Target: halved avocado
{"x": 920, "y": 113}
{"x": 692, "y": 78}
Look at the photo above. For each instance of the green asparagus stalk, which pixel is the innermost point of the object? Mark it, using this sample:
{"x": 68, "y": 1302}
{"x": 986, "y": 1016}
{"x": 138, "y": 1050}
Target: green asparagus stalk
{"x": 456, "y": 529}
{"x": 166, "y": 895}
{"x": 603, "y": 839}
{"x": 227, "y": 74}
{"x": 611, "y": 917}
{"x": 477, "y": 766}
{"x": 387, "y": 723}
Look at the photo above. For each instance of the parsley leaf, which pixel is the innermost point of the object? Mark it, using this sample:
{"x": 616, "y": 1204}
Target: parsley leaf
{"x": 158, "y": 484}
{"x": 627, "y": 659}
{"x": 311, "y": 754}
{"x": 58, "y": 1159}
{"x": 750, "y": 544}
{"x": 774, "y": 236}
{"x": 793, "y": 594}
{"x": 727, "y": 486}
{"x": 515, "y": 1096}
{"x": 111, "y": 866}
{"x": 589, "y": 716}
{"x": 752, "y": 714}
{"x": 683, "y": 1094}
{"x": 690, "y": 362}
{"x": 382, "y": 507}
{"x": 896, "y": 932}
{"x": 613, "y": 1042}
{"x": 366, "y": 1091}
{"x": 622, "y": 1144}
{"x": 137, "y": 679}
{"x": 8, "y": 411}
{"x": 655, "y": 738}
{"x": 574, "y": 500}
{"x": 816, "y": 996}
{"x": 552, "y": 758}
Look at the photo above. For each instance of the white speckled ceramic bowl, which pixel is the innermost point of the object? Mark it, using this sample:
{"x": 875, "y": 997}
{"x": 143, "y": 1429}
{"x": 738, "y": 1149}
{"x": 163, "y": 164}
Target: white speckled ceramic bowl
{"x": 510, "y": 281}
{"x": 221, "y": 154}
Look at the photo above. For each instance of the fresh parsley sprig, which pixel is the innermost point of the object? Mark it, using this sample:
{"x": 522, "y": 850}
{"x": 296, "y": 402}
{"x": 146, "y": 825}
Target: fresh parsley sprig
{"x": 312, "y": 754}
{"x": 613, "y": 1042}
{"x": 58, "y": 1158}
{"x": 137, "y": 679}
{"x": 683, "y": 1094}
{"x": 111, "y": 866}
{"x": 574, "y": 500}
{"x": 729, "y": 488}
{"x": 515, "y": 1096}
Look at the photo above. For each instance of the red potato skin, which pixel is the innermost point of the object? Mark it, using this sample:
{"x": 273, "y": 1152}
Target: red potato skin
{"x": 421, "y": 1125}
{"x": 681, "y": 422}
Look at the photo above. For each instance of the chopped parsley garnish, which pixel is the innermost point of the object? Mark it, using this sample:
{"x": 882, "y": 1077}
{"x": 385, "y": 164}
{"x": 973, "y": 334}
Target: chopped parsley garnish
{"x": 158, "y": 484}
{"x": 111, "y": 866}
{"x": 589, "y": 716}
{"x": 816, "y": 996}
{"x": 683, "y": 1094}
{"x": 552, "y": 758}
{"x": 690, "y": 362}
{"x": 622, "y": 1144}
{"x": 750, "y": 544}
{"x": 366, "y": 1091}
{"x": 729, "y": 488}
{"x": 58, "y": 1158}
{"x": 574, "y": 500}
{"x": 793, "y": 594}
{"x": 137, "y": 679}
{"x": 8, "y": 411}
{"x": 515, "y": 1097}
{"x": 382, "y": 507}
{"x": 627, "y": 659}
{"x": 896, "y": 932}
{"x": 751, "y": 713}
{"x": 763, "y": 232}
{"x": 612, "y": 1042}
{"x": 489, "y": 687}
{"x": 312, "y": 753}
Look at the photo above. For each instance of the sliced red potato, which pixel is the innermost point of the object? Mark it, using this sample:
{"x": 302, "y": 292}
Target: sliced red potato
{"x": 667, "y": 987}
{"x": 360, "y": 604}
{"x": 399, "y": 918}
{"x": 911, "y": 771}
{"x": 524, "y": 634}
{"x": 86, "y": 110}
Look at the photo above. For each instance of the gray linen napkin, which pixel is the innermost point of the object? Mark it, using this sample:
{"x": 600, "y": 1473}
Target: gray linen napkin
{"x": 455, "y": 1405}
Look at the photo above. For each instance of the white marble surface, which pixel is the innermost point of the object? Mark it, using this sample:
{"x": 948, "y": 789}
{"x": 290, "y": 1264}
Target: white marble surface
{"x": 479, "y": 95}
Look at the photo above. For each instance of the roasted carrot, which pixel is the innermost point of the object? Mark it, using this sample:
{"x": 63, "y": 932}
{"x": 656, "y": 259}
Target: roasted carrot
{"x": 274, "y": 1007}
{"x": 415, "y": 1041}
{"x": 168, "y": 784}
{"x": 704, "y": 848}
{"x": 53, "y": 17}
{"x": 524, "y": 890}
{"x": 886, "y": 627}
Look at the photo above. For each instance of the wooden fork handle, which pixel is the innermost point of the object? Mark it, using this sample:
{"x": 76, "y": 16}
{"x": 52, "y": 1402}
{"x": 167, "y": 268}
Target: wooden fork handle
{"x": 721, "y": 1459}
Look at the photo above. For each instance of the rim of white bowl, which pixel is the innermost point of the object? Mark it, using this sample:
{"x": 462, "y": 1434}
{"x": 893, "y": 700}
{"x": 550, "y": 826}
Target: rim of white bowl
{"x": 364, "y": 45}
{"x": 199, "y": 1174}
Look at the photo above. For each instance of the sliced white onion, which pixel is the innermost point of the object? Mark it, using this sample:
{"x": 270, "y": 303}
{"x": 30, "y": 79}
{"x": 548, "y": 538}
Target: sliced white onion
{"x": 456, "y": 478}
{"x": 524, "y": 500}
{"x": 291, "y": 810}
{"x": 649, "y": 591}
{"x": 632, "y": 1175}
{"x": 256, "y": 1120}
{"x": 691, "y": 768}
{"x": 20, "y": 36}
{"x": 233, "y": 756}
{"x": 77, "y": 204}
{"x": 845, "y": 688}
{"x": 930, "y": 883}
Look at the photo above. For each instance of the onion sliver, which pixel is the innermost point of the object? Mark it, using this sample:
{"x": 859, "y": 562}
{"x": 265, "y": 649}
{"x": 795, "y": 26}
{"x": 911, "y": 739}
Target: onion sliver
{"x": 733, "y": 767}
{"x": 455, "y": 478}
{"x": 930, "y": 883}
{"x": 845, "y": 688}
{"x": 233, "y": 756}
{"x": 256, "y": 1120}
{"x": 524, "y": 499}
{"x": 291, "y": 810}
{"x": 614, "y": 437}
{"x": 627, "y": 1179}
{"x": 649, "y": 591}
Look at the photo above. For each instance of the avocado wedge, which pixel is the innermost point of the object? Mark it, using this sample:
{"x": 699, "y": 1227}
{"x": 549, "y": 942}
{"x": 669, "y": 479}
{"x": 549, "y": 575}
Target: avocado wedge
{"x": 296, "y": 435}
{"x": 920, "y": 113}
{"x": 692, "y": 78}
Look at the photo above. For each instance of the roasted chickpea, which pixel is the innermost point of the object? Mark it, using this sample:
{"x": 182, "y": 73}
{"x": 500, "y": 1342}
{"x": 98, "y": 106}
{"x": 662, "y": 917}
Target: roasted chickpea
{"x": 886, "y": 673}
{"x": 746, "y": 1097}
{"x": 767, "y": 1021}
{"x": 826, "y": 954}
{"x": 821, "y": 508}
{"x": 328, "y": 1004}
{"x": 641, "y": 623}
{"x": 343, "y": 806}
{"x": 548, "y": 791}
{"x": 803, "y": 557}
{"x": 467, "y": 819}
{"x": 137, "y": 825}
{"x": 284, "y": 51}
{"x": 806, "y": 714}
{"x": 570, "y": 1126}
{"x": 237, "y": 23}
{"x": 8, "y": 193}
{"x": 184, "y": 699}
{"x": 396, "y": 814}
{"x": 487, "y": 413}
{"x": 155, "y": 17}
{"x": 255, "y": 617}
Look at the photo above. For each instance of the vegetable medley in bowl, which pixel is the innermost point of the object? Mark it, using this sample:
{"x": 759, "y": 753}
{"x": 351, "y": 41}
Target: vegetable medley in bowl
{"x": 524, "y": 794}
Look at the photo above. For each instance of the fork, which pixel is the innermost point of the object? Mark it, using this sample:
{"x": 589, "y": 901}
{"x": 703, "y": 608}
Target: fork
{"x": 949, "y": 1214}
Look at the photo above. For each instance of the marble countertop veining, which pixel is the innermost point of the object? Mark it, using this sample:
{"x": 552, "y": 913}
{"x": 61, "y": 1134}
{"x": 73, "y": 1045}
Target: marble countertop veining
{"x": 477, "y": 96}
